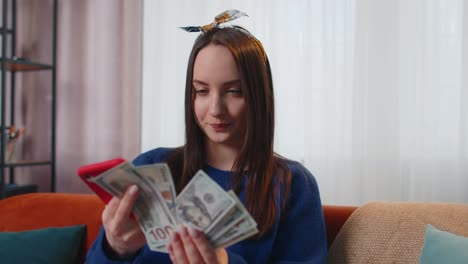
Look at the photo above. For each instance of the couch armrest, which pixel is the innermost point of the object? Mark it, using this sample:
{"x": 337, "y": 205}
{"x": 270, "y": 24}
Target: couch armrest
{"x": 335, "y": 217}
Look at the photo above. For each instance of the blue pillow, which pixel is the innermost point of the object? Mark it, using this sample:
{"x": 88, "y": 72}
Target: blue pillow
{"x": 48, "y": 245}
{"x": 443, "y": 247}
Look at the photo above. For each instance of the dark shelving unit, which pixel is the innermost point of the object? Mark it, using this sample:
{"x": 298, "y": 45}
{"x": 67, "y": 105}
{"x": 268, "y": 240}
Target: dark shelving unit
{"x": 9, "y": 65}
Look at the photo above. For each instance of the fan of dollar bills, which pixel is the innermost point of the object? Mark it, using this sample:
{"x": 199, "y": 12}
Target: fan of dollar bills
{"x": 202, "y": 204}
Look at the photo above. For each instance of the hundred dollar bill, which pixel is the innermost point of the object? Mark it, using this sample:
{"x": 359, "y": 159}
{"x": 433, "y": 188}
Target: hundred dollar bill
{"x": 245, "y": 225}
{"x": 150, "y": 209}
{"x": 228, "y": 242}
{"x": 159, "y": 175}
{"x": 203, "y": 203}
{"x": 236, "y": 214}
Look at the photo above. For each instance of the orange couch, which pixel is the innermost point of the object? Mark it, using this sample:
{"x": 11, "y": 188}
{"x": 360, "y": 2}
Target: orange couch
{"x": 41, "y": 210}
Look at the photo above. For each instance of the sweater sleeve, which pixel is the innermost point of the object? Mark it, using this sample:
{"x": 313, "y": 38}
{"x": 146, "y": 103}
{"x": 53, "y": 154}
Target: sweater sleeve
{"x": 97, "y": 254}
{"x": 234, "y": 258}
{"x": 301, "y": 236}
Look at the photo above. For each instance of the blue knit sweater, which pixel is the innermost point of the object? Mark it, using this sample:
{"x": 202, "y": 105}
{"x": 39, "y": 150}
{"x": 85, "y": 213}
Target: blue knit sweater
{"x": 298, "y": 238}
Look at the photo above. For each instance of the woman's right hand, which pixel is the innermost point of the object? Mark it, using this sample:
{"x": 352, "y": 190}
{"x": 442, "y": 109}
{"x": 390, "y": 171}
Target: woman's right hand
{"x": 123, "y": 234}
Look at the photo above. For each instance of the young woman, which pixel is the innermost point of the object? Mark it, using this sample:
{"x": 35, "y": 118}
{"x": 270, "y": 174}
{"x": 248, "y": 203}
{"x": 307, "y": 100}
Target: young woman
{"x": 229, "y": 119}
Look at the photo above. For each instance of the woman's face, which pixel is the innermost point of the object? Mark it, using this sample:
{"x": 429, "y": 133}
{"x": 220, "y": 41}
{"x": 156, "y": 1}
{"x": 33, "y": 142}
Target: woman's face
{"x": 219, "y": 104}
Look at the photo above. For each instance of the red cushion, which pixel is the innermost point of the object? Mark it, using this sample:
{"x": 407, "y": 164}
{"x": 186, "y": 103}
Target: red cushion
{"x": 335, "y": 217}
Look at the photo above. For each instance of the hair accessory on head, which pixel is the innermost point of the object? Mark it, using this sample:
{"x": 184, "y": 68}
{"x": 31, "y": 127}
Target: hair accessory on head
{"x": 224, "y": 17}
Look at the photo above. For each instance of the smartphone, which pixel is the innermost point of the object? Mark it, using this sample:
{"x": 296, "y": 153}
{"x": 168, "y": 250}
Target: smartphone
{"x": 93, "y": 170}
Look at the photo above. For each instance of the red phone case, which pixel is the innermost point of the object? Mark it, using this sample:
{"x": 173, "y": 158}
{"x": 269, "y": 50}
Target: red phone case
{"x": 95, "y": 169}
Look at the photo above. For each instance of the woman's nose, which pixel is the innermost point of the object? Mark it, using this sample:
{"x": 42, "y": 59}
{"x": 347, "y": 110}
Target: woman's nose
{"x": 216, "y": 105}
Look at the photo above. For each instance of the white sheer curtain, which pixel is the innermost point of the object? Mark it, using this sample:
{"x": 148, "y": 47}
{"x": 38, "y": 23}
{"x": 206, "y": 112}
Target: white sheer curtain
{"x": 372, "y": 95}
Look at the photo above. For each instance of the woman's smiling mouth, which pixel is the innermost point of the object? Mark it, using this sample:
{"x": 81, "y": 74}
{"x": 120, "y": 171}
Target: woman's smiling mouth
{"x": 219, "y": 127}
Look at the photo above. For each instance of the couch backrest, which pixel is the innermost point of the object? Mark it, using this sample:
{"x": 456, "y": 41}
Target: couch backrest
{"x": 386, "y": 232}
{"x": 41, "y": 210}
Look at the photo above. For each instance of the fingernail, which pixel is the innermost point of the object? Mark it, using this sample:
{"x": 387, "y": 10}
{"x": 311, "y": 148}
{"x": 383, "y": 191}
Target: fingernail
{"x": 193, "y": 232}
{"x": 174, "y": 237}
{"x": 183, "y": 231}
{"x": 133, "y": 189}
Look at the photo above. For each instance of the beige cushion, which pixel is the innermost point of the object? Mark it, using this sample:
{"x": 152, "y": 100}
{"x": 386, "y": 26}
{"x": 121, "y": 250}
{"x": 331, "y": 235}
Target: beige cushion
{"x": 391, "y": 232}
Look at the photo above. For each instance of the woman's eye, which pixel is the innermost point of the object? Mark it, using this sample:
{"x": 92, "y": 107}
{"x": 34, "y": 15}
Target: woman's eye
{"x": 235, "y": 91}
{"x": 201, "y": 91}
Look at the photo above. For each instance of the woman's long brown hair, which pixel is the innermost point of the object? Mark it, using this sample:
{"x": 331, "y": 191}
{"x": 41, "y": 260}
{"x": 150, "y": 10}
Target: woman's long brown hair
{"x": 267, "y": 174}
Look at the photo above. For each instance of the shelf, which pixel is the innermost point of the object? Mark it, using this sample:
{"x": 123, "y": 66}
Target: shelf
{"x": 25, "y": 65}
{"x": 11, "y": 62}
{"x": 15, "y": 189}
{"x": 21, "y": 163}
{"x": 9, "y": 31}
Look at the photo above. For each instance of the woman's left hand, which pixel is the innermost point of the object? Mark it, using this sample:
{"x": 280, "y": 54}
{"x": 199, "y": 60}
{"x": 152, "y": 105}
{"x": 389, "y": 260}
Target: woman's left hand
{"x": 189, "y": 245}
